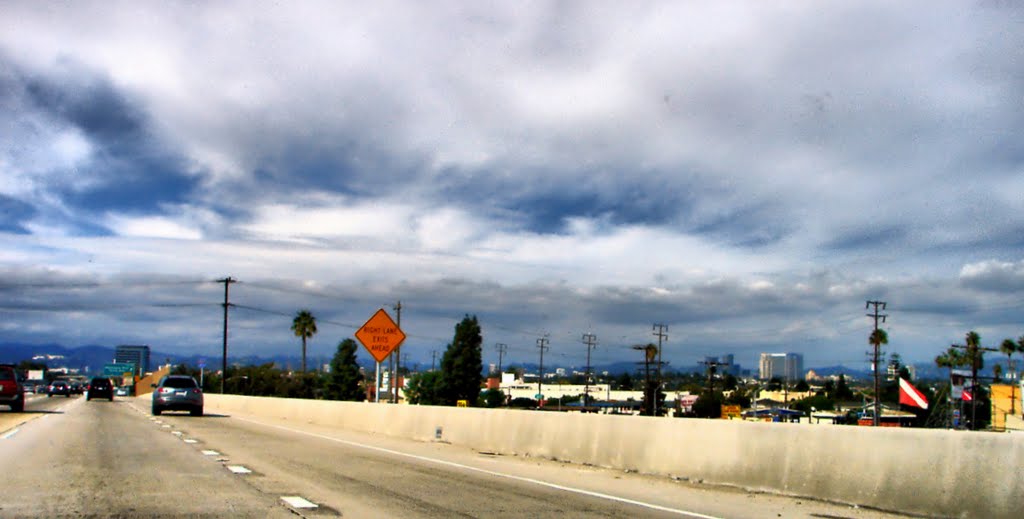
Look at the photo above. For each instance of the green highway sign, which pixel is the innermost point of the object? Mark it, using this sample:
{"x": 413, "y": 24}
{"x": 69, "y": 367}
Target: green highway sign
{"x": 118, "y": 370}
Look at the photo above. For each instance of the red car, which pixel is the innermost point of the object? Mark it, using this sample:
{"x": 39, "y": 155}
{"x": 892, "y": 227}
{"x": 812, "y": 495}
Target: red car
{"x": 10, "y": 388}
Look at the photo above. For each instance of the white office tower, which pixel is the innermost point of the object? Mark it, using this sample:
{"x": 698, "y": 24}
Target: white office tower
{"x": 785, "y": 366}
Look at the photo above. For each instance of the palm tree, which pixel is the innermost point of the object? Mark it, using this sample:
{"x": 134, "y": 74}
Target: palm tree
{"x": 304, "y": 325}
{"x": 1008, "y": 347}
{"x": 949, "y": 359}
{"x": 877, "y": 338}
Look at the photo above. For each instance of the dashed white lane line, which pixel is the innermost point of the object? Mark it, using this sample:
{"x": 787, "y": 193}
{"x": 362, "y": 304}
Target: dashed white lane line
{"x": 211, "y": 453}
{"x": 177, "y": 433}
{"x": 298, "y": 502}
{"x": 555, "y": 486}
{"x": 165, "y": 426}
{"x": 190, "y": 440}
{"x": 10, "y": 433}
{"x": 238, "y": 469}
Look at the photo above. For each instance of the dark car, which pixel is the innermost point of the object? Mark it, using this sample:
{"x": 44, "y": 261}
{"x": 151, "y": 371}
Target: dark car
{"x": 100, "y": 387}
{"x": 178, "y": 393}
{"x": 59, "y": 387}
{"x": 76, "y": 388}
{"x": 10, "y": 388}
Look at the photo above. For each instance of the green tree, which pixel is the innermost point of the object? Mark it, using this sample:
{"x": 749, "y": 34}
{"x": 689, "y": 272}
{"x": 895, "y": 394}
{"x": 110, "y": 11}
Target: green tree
{"x": 802, "y": 386}
{"x": 344, "y": 381}
{"x": 624, "y": 382}
{"x": 462, "y": 364}
{"x": 708, "y": 405}
{"x": 843, "y": 391}
{"x": 492, "y": 398}
{"x": 424, "y": 389}
{"x": 304, "y": 325}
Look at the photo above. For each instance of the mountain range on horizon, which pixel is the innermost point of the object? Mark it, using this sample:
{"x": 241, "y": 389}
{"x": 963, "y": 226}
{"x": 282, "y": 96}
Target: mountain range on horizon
{"x": 91, "y": 358}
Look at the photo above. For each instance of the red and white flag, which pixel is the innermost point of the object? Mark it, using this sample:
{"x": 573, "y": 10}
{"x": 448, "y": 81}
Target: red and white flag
{"x": 909, "y": 395}
{"x": 967, "y": 396}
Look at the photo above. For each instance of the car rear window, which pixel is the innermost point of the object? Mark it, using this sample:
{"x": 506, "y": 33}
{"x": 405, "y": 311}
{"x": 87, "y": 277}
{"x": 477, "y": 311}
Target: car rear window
{"x": 180, "y": 383}
{"x": 6, "y": 374}
{"x": 100, "y": 382}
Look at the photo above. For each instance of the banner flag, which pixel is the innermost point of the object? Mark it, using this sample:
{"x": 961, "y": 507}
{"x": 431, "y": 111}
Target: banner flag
{"x": 909, "y": 395}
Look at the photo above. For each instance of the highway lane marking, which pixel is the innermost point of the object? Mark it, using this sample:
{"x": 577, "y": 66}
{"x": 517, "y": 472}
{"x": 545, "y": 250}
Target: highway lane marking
{"x": 298, "y": 502}
{"x": 238, "y": 469}
{"x": 211, "y": 453}
{"x": 10, "y": 433}
{"x": 555, "y": 486}
{"x": 190, "y": 440}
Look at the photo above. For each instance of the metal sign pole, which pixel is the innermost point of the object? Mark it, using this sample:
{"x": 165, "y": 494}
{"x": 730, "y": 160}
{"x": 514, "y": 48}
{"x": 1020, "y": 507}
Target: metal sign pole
{"x": 376, "y": 385}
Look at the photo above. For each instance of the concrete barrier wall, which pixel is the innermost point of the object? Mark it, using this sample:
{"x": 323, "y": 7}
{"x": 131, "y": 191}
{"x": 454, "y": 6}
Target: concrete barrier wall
{"x": 930, "y": 472}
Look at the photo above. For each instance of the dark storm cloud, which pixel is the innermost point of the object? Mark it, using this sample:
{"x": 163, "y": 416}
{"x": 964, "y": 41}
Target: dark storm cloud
{"x": 13, "y": 214}
{"x": 129, "y": 168}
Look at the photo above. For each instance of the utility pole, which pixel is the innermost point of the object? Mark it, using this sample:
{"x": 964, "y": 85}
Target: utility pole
{"x": 661, "y": 330}
{"x": 224, "y": 358}
{"x": 502, "y": 348}
{"x": 876, "y": 358}
{"x": 433, "y": 359}
{"x": 397, "y": 355}
{"x": 590, "y": 340}
{"x": 712, "y": 369}
{"x": 974, "y": 355}
{"x": 542, "y": 346}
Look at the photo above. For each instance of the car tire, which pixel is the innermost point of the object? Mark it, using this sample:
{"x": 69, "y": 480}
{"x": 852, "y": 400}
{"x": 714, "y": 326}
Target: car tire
{"x": 111, "y": 398}
{"x": 88, "y": 398}
{"x": 198, "y": 411}
{"x": 156, "y": 411}
{"x": 49, "y": 395}
{"x": 18, "y": 407}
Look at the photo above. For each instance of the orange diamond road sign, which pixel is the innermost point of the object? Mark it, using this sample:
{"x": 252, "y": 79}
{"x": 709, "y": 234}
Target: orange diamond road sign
{"x": 380, "y": 335}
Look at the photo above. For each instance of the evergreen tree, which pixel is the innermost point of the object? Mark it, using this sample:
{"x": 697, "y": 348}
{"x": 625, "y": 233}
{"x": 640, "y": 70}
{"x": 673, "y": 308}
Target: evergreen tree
{"x": 345, "y": 378}
{"x": 843, "y": 391}
{"x": 462, "y": 364}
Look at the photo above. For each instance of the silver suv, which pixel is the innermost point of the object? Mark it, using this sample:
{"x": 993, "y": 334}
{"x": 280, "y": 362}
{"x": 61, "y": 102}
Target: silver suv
{"x": 178, "y": 393}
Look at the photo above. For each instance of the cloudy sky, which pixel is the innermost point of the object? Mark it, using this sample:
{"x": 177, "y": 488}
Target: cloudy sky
{"x": 746, "y": 173}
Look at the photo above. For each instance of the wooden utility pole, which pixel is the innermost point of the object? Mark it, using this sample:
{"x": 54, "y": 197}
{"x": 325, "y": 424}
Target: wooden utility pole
{"x": 661, "y": 330}
{"x": 224, "y": 356}
{"x": 876, "y": 359}
{"x": 590, "y": 340}
{"x": 542, "y": 346}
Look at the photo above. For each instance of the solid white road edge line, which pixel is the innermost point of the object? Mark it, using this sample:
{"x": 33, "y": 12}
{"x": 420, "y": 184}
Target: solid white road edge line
{"x": 555, "y": 486}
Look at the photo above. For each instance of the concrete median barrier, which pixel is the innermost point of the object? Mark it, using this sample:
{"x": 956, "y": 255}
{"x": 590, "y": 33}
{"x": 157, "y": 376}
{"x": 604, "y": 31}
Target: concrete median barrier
{"x": 928, "y": 472}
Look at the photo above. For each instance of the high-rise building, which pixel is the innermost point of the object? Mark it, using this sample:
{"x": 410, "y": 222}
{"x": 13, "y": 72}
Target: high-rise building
{"x": 786, "y": 366}
{"x": 138, "y": 355}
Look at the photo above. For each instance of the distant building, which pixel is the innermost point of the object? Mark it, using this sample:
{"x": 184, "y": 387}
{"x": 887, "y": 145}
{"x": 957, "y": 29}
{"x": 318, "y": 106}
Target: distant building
{"x": 135, "y": 354}
{"x": 726, "y": 364}
{"x": 785, "y": 366}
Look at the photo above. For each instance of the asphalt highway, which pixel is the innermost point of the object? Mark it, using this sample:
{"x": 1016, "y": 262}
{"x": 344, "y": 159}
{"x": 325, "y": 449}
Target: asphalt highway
{"x": 72, "y": 458}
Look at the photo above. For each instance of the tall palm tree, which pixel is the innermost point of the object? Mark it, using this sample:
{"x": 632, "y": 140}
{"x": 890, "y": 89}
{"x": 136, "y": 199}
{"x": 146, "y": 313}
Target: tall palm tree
{"x": 949, "y": 359}
{"x": 1008, "y": 348}
{"x": 877, "y": 338}
{"x": 304, "y": 325}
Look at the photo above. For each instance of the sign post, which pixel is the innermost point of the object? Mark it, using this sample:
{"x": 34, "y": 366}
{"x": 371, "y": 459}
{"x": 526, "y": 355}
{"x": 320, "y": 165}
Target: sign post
{"x": 380, "y": 336}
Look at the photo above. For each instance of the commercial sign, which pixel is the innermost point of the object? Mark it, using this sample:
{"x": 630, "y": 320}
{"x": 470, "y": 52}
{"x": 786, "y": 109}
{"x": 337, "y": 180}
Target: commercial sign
{"x": 730, "y": 412}
{"x": 380, "y": 335}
